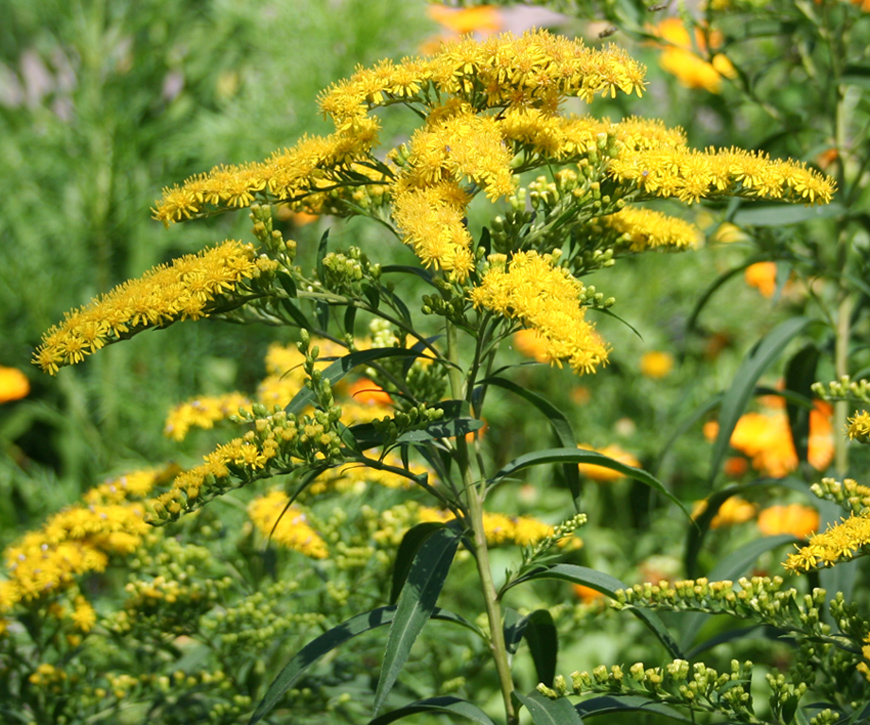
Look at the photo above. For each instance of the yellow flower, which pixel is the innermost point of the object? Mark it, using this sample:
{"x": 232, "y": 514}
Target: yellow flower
{"x": 839, "y": 542}
{"x": 546, "y": 298}
{"x": 859, "y": 427}
{"x": 499, "y": 528}
{"x": 484, "y": 19}
{"x": 83, "y": 616}
{"x": 645, "y": 229}
{"x": 680, "y": 59}
{"x": 601, "y": 473}
{"x": 733, "y": 510}
{"x": 286, "y": 525}
{"x": 656, "y": 364}
{"x": 203, "y": 412}
{"x": 531, "y": 344}
{"x": 13, "y": 384}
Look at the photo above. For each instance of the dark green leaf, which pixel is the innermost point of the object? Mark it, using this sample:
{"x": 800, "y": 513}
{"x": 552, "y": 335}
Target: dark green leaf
{"x": 441, "y": 429}
{"x": 607, "y": 585}
{"x": 737, "y": 396}
{"x": 415, "y": 605}
{"x": 349, "y": 320}
{"x": 286, "y": 281}
{"x": 321, "y": 253}
{"x": 514, "y": 626}
{"x": 800, "y": 374}
{"x": 543, "y": 641}
{"x": 447, "y": 704}
{"x": 373, "y": 295}
{"x": 407, "y": 551}
{"x": 549, "y": 712}
{"x": 608, "y": 704}
{"x": 420, "y": 272}
{"x": 558, "y": 422}
{"x": 579, "y": 455}
{"x": 328, "y": 641}
{"x": 296, "y": 314}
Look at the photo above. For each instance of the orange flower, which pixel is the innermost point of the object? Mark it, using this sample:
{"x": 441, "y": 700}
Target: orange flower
{"x": 13, "y": 384}
{"x": 656, "y": 364}
{"x": 585, "y": 594}
{"x": 484, "y": 19}
{"x": 735, "y": 466}
{"x": 471, "y": 435}
{"x": 602, "y": 474}
{"x": 366, "y": 392}
{"x": 734, "y": 510}
{"x": 794, "y": 519}
{"x": 762, "y": 276}
{"x": 680, "y": 59}
{"x": 531, "y": 344}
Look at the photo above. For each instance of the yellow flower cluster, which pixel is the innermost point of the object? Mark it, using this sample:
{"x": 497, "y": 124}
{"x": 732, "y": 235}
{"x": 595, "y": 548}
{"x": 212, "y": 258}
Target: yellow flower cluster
{"x": 357, "y": 478}
{"x": 691, "y": 175}
{"x": 644, "y": 229}
{"x": 286, "y": 525}
{"x": 547, "y": 299}
{"x": 203, "y": 412}
{"x": 190, "y": 287}
{"x": 859, "y": 427}
{"x": 839, "y": 542}
{"x": 499, "y": 528}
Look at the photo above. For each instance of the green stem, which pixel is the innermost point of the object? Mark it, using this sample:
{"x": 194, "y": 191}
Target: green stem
{"x": 474, "y": 499}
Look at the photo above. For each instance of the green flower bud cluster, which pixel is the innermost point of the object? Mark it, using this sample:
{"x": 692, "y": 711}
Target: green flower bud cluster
{"x": 281, "y": 250}
{"x": 695, "y": 686}
{"x": 849, "y": 494}
{"x": 351, "y": 274}
{"x": 844, "y": 389}
{"x": 414, "y": 418}
{"x": 760, "y": 598}
{"x": 254, "y": 622}
{"x": 592, "y": 298}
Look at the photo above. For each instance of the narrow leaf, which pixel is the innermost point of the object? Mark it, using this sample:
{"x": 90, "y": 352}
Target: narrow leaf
{"x": 413, "y": 539}
{"x": 608, "y": 704}
{"x": 328, "y": 641}
{"x": 800, "y": 374}
{"x": 543, "y": 640}
{"x": 607, "y": 585}
{"x": 415, "y": 605}
{"x": 780, "y": 214}
{"x": 558, "y": 422}
{"x": 579, "y": 455}
{"x": 735, "y": 399}
{"x": 442, "y": 429}
{"x": 549, "y": 712}
{"x": 447, "y": 704}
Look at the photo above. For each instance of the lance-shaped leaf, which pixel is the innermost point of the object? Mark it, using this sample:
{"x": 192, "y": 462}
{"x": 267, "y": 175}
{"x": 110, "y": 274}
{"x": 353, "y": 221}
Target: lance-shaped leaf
{"x": 549, "y": 712}
{"x": 445, "y": 704}
{"x": 328, "y": 641}
{"x": 579, "y": 455}
{"x": 415, "y": 605}
{"x": 609, "y": 704}
{"x": 607, "y": 585}
{"x": 558, "y": 422}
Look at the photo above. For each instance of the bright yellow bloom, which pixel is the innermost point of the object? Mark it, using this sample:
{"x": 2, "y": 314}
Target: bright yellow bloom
{"x": 644, "y": 229}
{"x": 547, "y": 299}
{"x": 286, "y": 525}
{"x": 203, "y": 412}
{"x": 859, "y": 427}
{"x": 656, "y": 364}
{"x": 601, "y": 473}
{"x": 499, "y": 528}
{"x": 680, "y": 59}
{"x": 83, "y": 616}
{"x": 13, "y": 384}
{"x": 839, "y": 542}
{"x": 190, "y": 287}
{"x": 733, "y": 510}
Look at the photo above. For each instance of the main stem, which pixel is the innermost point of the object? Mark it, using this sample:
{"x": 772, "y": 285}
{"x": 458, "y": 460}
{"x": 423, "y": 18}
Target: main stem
{"x": 474, "y": 499}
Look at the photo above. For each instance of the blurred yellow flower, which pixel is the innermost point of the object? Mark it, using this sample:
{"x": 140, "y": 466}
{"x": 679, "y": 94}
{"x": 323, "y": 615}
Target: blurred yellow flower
{"x": 680, "y": 59}
{"x": 656, "y": 364}
{"x": 602, "y": 474}
{"x": 762, "y": 276}
{"x": 795, "y": 519}
{"x": 13, "y": 384}
{"x": 733, "y": 510}
{"x": 484, "y": 19}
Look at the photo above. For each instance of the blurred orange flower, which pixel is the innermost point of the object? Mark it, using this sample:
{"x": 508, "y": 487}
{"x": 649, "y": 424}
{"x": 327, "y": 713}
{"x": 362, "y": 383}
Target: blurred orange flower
{"x": 795, "y": 519}
{"x": 531, "y": 344}
{"x": 656, "y": 364}
{"x": 680, "y": 59}
{"x": 733, "y": 510}
{"x": 585, "y": 594}
{"x": 366, "y": 392}
{"x": 483, "y": 20}
{"x": 766, "y": 440}
{"x": 13, "y": 384}
{"x": 602, "y": 474}
{"x": 762, "y": 276}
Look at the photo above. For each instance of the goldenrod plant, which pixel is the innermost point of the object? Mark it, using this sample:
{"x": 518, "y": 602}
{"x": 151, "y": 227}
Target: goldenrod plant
{"x": 507, "y": 201}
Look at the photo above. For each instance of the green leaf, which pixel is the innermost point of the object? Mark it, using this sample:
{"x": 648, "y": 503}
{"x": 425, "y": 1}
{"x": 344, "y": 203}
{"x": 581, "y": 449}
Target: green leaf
{"x": 549, "y": 712}
{"x": 349, "y": 320}
{"x": 286, "y": 281}
{"x": 781, "y": 214}
{"x": 514, "y": 626}
{"x": 558, "y": 422}
{"x": 413, "y": 539}
{"x": 447, "y": 704}
{"x": 711, "y": 290}
{"x": 415, "y": 605}
{"x": 579, "y": 455}
{"x": 800, "y": 374}
{"x": 607, "y": 585}
{"x": 296, "y": 314}
{"x": 420, "y": 272}
{"x": 737, "y": 396}
{"x": 341, "y": 367}
{"x": 328, "y": 641}
{"x": 608, "y": 704}
{"x": 543, "y": 640}
{"x": 441, "y": 429}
